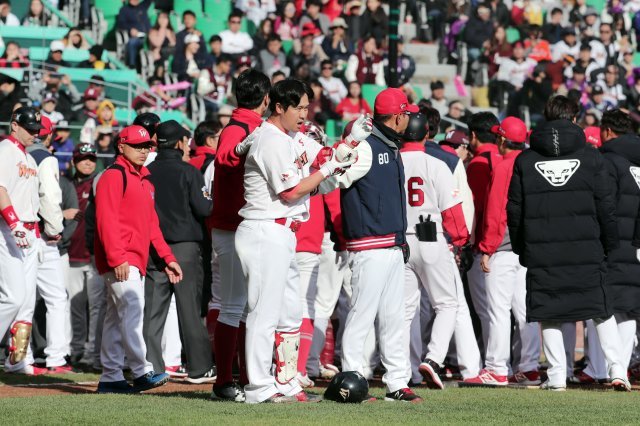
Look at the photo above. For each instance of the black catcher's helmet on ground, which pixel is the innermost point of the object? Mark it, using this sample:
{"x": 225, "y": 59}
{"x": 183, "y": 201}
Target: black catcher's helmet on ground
{"x": 348, "y": 386}
{"x": 417, "y": 128}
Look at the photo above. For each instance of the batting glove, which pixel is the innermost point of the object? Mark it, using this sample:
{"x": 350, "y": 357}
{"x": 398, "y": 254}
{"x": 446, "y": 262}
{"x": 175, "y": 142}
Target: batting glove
{"x": 243, "y": 147}
{"x": 19, "y": 233}
{"x": 334, "y": 167}
{"x": 360, "y": 131}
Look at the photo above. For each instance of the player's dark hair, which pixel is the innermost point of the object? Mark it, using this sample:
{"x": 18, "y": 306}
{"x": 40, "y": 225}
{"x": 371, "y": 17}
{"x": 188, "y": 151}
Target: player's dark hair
{"x": 224, "y": 57}
{"x": 618, "y": 121}
{"x": 561, "y": 108}
{"x": 251, "y": 88}
{"x": 481, "y": 123}
{"x": 288, "y": 93}
{"x": 433, "y": 119}
{"x": 205, "y": 130}
{"x": 514, "y": 146}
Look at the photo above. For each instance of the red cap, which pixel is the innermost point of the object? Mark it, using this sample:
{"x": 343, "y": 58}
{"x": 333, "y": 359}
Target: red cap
{"x": 393, "y": 101}
{"x": 47, "y": 127}
{"x": 91, "y": 93}
{"x": 134, "y": 135}
{"x": 512, "y": 129}
{"x": 309, "y": 28}
{"x": 592, "y": 133}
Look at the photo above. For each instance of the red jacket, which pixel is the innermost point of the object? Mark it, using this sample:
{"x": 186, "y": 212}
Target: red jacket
{"x": 78, "y": 252}
{"x": 333, "y": 218}
{"x": 495, "y": 213}
{"x": 311, "y": 232}
{"x": 126, "y": 223}
{"x": 479, "y": 176}
{"x": 201, "y": 155}
{"x": 228, "y": 178}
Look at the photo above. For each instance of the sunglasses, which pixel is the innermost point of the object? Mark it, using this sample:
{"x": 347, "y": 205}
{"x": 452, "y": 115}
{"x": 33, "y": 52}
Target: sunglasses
{"x": 141, "y": 147}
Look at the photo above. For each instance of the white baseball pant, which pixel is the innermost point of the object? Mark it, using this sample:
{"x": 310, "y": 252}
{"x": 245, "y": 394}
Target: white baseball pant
{"x": 569, "y": 337}
{"x": 553, "y": 345}
{"x": 420, "y": 334}
{"x": 171, "y": 343}
{"x": 506, "y": 294}
{"x": 377, "y": 284}
{"x": 478, "y": 292}
{"x": 267, "y": 253}
{"x": 85, "y": 287}
{"x": 122, "y": 330}
{"x": 233, "y": 288}
{"x": 597, "y": 367}
{"x": 215, "y": 302}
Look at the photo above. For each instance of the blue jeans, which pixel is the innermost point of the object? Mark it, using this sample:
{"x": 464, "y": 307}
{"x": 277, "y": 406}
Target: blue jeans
{"x": 133, "y": 46}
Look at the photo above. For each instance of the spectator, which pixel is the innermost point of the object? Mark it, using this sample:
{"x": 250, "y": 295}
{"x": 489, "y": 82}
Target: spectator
{"x": 597, "y": 101}
{"x": 189, "y": 23}
{"x": 272, "y": 58}
{"x": 206, "y": 137}
{"x": 605, "y": 50}
{"x": 257, "y": 10}
{"x": 585, "y": 61}
{"x": 188, "y": 65}
{"x": 614, "y": 92}
{"x": 315, "y": 16}
{"x": 578, "y": 81}
{"x": 438, "y": 100}
{"x": 90, "y": 100}
{"x": 333, "y": 87}
{"x": 104, "y": 117}
{"x": 260, "y": 38}
{"x": 234, "y": 41}
{"x": 320, "y": 108}
{"x": 48, "y": 109}
{"x": 353, "y": 18}
{"x": 375, "y": 21}
{"x": 406, "y": 65}
{"x": 286, "y": 25}
{"x": 9, "y": 94}
{"x": 224, "y": 115}
{"x": 63, "y": 144}
{"x": 162, "y": 38}
{"x": 456, "y": 112}
{"x": 537, "y": 48}
{"x": 500, "y": 12}
{"x": 336, "y": 46}
{"x": 477, "y": 31}
{"x": 308, "y": 53}
{"x": 95, "y": 58}
{"x": 552, "y": 30}
{"x": 535, "y": 93}
{"x": 277, "y": 76}
{"x": 12, "y": 58}
{"x": 105, "y": 147}
{"x": 6, "y": 17}
{"x": 366, "y": 65}
{"x": 633, "y": 96}
{"x": 568, "y": 45}
{"x": 36, "y": 16}
{"x": 354, "y": 104}
{"x": 134, "y": 20}
{"x": 215, "y": 48}
{"x": 511, "y": 74}
{"x": 496, "y": 49}
{"x": 214, "y": 83}
{"x": 75, "y": 40}
{"x": 54, "y": 60}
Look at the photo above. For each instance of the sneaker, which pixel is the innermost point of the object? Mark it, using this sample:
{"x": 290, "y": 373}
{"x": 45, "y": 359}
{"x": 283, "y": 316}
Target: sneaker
{"x": 307, "y": 397}
{"x": 149, "y": 381}
{"x": 115, "y": 387}
{"x": 304, "y": 380}
{"x": 328, "y": 371}
{"x": 278, "y": 398}
{"x": 621, "y": 384}
{"x": 556, "y": 388}
{"x": 228, "y": 392}
{"x": 581, "y": 378}
{"x": 487, "y": 378}
{"x": 208, "y": 377}
{"x": 405, "y": 395}
{"x": 176, "y": 371}
{"x": 61, "y": 369}
{"x": 527, "y": 378}
{"x": 431, "y": 372}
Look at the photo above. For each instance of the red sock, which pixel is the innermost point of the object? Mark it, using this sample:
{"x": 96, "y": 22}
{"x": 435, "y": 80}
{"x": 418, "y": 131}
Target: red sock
{"x": 212, "y": 320}
{"x": 326, "y": 357}
{"x": 225, "y": 340}
{"x": 242, "y": 364}
{"x": 306, "y": 337}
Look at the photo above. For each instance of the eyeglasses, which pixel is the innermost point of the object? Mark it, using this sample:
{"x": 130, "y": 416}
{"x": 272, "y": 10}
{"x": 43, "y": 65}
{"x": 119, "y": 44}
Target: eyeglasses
{"x": 141, "y": 147}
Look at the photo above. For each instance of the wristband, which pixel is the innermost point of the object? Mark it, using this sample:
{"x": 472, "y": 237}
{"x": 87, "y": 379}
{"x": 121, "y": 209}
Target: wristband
{"x": 9, "y": 215}
{"x": 350, "y": 141}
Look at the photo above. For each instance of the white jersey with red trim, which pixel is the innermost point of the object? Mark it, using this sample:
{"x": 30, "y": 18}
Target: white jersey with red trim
{"x": 19, "y": 176}
{"x": 275, "y": 163}
{"x": 430, "y": 187}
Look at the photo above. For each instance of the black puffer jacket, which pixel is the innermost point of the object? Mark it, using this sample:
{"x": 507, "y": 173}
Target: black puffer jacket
{"x": 623, "y": 275}
{"x": 561, "y": 217}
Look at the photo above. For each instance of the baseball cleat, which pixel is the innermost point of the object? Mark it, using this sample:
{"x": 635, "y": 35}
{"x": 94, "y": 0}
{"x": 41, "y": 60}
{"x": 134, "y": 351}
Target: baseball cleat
{"x": 177, "y": 371}
{"x": 207, "y": 377}
{"x": 556, "y": 388}
{"x": 328, "y": 371}
{"x": 487, "y": 378}
{"x": 228, "y": 392}
{"x": 307, "y": 397}
{"x": 431, "y": 372}
{"x": 527, "y": 378}
{"x": 304, "y": 380}
{"x": 278, "y": 398}
{"x": 581, "y": 378}
{"x": 404, "y": 395}
{"x": 149, "y": 381}
{"x": 621, "y": 384}
{"x": 115, "y": 387}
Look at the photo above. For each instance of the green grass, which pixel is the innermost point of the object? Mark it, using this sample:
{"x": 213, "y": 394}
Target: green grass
{"x": 21, "y": 379}
{"x": 478, "y": 406}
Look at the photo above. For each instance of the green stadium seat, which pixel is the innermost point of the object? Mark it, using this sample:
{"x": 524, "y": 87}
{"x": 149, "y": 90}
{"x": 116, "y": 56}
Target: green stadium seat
{"x": 513, "y": 35}
{"x": 125, "y": 115}
{"x": 636, "y": 59}
{"x": 210, "y": 26}
{"x": 287, "y": 45}
{"x": 370, "y": 91}
{"x": 419, "y": 94}
{"x": 218, "y": 8}
{"x": 179, "y": 6}
{"x": 17, "y": 73}
{"x": 32, "y": 36}
{"x": 598, "y": 5}
{"x": 73, "y": 56}
{"x": 109, "y": 7}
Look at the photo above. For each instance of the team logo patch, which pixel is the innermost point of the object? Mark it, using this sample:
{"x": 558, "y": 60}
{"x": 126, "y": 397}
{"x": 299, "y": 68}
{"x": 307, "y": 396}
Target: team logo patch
{"x": 557, "y": 172}
{"x": 635, "y": 173}
{"x": 302, "y": 160}
{"x": 344, "y": 393}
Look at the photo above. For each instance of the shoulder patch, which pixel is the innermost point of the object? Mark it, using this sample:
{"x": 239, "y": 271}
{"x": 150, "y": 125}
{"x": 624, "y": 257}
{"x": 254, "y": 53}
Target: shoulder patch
{"x": 635, "y": 173}
{"x": 557, "y": 172}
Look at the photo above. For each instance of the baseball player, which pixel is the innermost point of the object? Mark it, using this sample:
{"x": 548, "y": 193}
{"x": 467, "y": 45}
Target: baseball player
{"x": 277, "y": 184}
{"x": 505, "y": 278}
{"x": 433, "y": 208}
{"x": 252, "y": 94}
{"x": 126, "y": 224}
{"x": 19, "y": 204}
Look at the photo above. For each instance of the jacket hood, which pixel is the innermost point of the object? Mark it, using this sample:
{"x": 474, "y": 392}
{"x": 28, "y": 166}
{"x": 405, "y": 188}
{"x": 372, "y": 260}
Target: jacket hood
{"x": 386, "y": 134}
{"x": 557, "y": 138}
{"x": 627, "y": 146}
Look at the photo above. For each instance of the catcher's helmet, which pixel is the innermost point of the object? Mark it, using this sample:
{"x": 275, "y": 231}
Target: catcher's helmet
{"x": 28, "y": 118}
{"x": 417, "y": 128}
{"x": 149, "y": 121}
{"x": 348, "y": 386}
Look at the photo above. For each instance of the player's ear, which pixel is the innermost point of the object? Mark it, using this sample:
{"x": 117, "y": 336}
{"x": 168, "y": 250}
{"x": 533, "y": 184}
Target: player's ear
{"x": 121, "y": 148}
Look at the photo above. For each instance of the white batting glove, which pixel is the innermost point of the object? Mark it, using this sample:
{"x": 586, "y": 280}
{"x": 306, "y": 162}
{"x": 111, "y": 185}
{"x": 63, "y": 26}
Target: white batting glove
{"x": 334, "y": 167}
{"x": 243, "y": 147}
{"x": 19, "y": 233}
{"x": 360, "y": 131}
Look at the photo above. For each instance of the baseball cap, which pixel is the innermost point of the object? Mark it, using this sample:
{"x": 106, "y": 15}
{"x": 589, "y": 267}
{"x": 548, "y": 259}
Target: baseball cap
{"x": 244, "y": 60}
{"x": 512, "y": 129}
{"x": 592, "y": 134}
{"x": 191, "y": 38}
{"x": 339, "y": 22}
{"x": 456, "y": 137}
{"x": 170, "y": 132}
{"x": 47, "y": 127}
{"x": 134, "y": 135}
{"x": 28, "y": 118}
{"x": 596, "y": 90}
{"x": 82, "y": 151}
{"x": 309, "y": 28}
{"x": 56, "y": 46}
{"x": 91, "y": 93}
{"x": 62, "y": 125}
{"x": 50, "y": 97}
{"x": 393, "y": 101}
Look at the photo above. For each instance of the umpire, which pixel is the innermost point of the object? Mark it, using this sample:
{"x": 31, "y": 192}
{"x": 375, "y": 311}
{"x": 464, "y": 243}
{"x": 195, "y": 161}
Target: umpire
{"x": 181, "y": 205}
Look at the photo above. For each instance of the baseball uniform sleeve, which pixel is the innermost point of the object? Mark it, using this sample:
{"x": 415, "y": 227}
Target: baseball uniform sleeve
{"x": 464, "y": 193}
{"x": 50, "y": 196}
{"x": 226, "y": 156}
{"x": 359, "y": 169}
{"x": 495, "y": 214}
{"x": 108, "y": 228}
{"x": 6, "y": 173}
{"x": 276, "y": 162}
{"x": 208, "y": 177}
{"x": 447, "y": 192}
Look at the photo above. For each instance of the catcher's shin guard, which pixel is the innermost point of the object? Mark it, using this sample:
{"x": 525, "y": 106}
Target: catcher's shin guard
{"x": 287, "y": 356}
{"x": 20, "y": 338}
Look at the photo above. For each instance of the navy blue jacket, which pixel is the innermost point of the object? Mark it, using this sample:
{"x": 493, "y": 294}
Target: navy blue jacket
{"x": 436, "y": 151}
{"x": 131, "y": 17}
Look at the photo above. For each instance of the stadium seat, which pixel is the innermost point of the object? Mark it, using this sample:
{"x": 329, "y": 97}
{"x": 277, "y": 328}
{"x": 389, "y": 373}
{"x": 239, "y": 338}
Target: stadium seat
{"x": 73, "y": 56}
{"x": 125, "y": 115}
{"x": 32, "y": 36}
{"x": 217, "y": 8}
{"x": 211, "y": 25}
{"x": 598, "y": 5}
{"x": 287, "y": 45}
{"x": 370, "y": 91}
{"x": 179, "y": 6}
{"x": 513, "y": 35}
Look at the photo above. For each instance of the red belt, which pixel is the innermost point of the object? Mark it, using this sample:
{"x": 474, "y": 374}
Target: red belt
{"x": 294, "y": 225}
{"x": 30, "y": 225}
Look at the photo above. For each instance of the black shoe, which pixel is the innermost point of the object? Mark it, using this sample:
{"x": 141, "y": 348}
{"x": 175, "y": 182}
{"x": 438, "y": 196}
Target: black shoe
{"x": 404, "y": 395}
{"x": 228, "y": 392}
{"x": 432, "y": 373}
{"x": 207, "y": 377}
